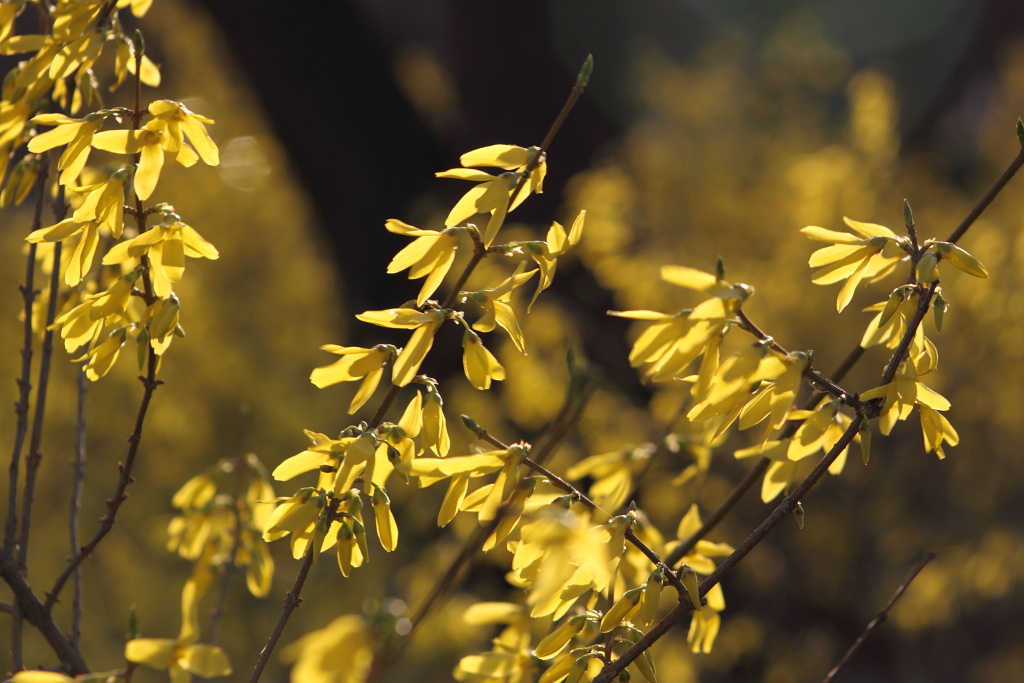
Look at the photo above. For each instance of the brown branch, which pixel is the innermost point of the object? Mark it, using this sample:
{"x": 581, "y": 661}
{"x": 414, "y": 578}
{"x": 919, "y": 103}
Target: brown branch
{"x": 35, "y": 613}
{"x": 35, "y": 455}
{"x": 879, "y": 618}
{"x": 113, "y": 504}
{"x": 993, "y": 191}
{"x": 77, "y": 487}
{"x": 291, "y": 600}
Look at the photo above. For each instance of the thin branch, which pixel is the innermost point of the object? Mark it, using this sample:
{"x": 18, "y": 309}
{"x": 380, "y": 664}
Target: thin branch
{"x": 28, "y": 293}
{"x": 35, "y": 613}
{"x": 149, "y": 383}
{"x": 77, "y": 487}
{"x": 993, "y": 191}
{"x": 35, "y": 455}
{"x": 291, "y": 601}
{"x": 879, "y": 618}
{"x": 228, "y": 568}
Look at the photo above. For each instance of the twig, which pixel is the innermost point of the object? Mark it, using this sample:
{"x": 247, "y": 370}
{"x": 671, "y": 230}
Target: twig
{"x": 35, "y": 613}
{"x": 291, "y": 601}
{"x": 28, "y": 293}
{"x": 983, "y": 203}
{"x": 77, "y": 486}
{"x": 35, "y": 455}
{"x": 149, "y": 383}
{"x": 879, "y": 618}
{"x": 228, "y": 568}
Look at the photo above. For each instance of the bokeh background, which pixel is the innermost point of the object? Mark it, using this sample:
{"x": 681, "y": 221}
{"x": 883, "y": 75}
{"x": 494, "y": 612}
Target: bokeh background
{"x": 709, "y": 129}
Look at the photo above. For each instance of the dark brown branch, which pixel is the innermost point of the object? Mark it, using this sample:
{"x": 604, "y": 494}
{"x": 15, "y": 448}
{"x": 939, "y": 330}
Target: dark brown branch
{"x": 35, "y": 613}
{"x": 149, "y": 383}
{"x": 35, "y": 455}
{"x": 77, "y": 487}
{"x": 993, "y": 191}
{"x": 291, "y": 600}
{"x": 879, "y": 618}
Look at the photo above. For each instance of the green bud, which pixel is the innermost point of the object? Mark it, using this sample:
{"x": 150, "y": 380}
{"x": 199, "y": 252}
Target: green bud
{"x": 139, "y": 44}
{"x": 799, "y": 512}
{"x": 626, "y": 606}
{"x": 689, "y": 580}
{"x": 720, "y": 269}
{"x": 927, "y": 270}
{"x": 939, "y": 307}
{"x": 908, "y": 215}
{"x": 891, "y": 306}
{"x": 472, "y": 426}
{"x": 133, "y": 622}
{"x": 142, "y": 348}
{"x": 865, "y": 440}
{"x": 583, "y": 78}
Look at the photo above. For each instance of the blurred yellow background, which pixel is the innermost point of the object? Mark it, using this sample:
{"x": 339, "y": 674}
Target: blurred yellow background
{"x": 765, "y": 124}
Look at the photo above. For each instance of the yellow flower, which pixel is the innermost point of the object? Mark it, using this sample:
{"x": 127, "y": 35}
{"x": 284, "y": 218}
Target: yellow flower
{"x": 733, "y": 381}
{"x": 429, "y": 256}
{"x": 612, "y": 474}
{"x": 901, "y": 395}
{"x": 936, "y": 430}
{"x": 479, "y": 364}
{"x": 147, "y": 142}
{"x": 41, "y": 676}
{"x": 698, "y": 559}
{"x": 546, "y": 253}
{"x": 852, "y": 257}
{"x": 356, "y": 363}
{"x": 774, "y": 399}
{"x": 434, "y": 435}
{"x": 183, "y": 656}
{"x": 166, "y": 245}
{"x": 492, "y": 194}
{"x": 139, "y": 7}
{"x": 124, "y": 61}
{"x": 101, "y": 357}
{"x": 497, "y": 310}
{"x": 706, "y": 622}
{"x": 412, "y": 355}
{"x": 181, "y": 123}
{"x": 77, "y": 134}
{"x": 104, "y": 203}
{"x": 296, "y": 515}
{"x": 323, "y": 451}
{"x": 159, "y": 135}
{"x": 387, "y": 528}
{"x": 162, "y": 325}
{"x": 81, "y": 260}
{"x": 341, "y": 652}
